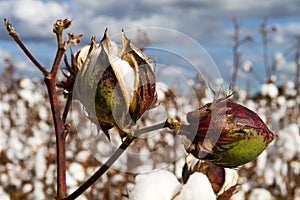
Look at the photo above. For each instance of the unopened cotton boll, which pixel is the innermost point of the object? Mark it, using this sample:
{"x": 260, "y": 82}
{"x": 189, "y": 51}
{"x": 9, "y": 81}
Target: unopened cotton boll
{"x": 226, "y": 134}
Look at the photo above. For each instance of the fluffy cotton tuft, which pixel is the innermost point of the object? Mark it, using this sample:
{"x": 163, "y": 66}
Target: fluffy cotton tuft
{"x": 270, "y": 90}
{"x": 198, "y": 187}
{"x": 160, "y": 185}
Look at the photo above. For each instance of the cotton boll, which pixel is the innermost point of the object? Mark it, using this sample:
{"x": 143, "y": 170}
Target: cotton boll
{"x": 260, "y": 194}
{"x": 269, "y": 90}
{"x": 26, "y": 83}
{"x": 20, "y": 112}
{"x": 295, "y": 165}
{"x": 269, "y": 175}
{"x": 50, "y": 173}
{"x": 289, "y": 89}
{"x": 281, "y": 100}
{"x": 77, "y": 171}
{"x": 161, "y": 90}
{"x": 160, "y": 185}
{"x": 40, "y": 163}
{"x": 38, "y": 192}
{"x": 289, "y": 141}
{"x": 82, "y": 156}
{"x": 261, "y": 162}
{"x": 3, "y": 194}
{"x": 197, "y": 187}
{"x": 247, "y": 67}
{"x": 27, "y": 188}
{"x": 43, "y": 113}
{"x": 4, "y": 107}
{"x": 240, "y": 195}
{"x": 72, "y": 182}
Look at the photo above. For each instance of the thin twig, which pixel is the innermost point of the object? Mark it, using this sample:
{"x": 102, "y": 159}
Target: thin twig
{"x": 236, "y": 55}
{"x": 12, "y": 32}
{"x": 264, "y": 33}
{"x": 297, "y": 61}
{"x": 67, "y": 108}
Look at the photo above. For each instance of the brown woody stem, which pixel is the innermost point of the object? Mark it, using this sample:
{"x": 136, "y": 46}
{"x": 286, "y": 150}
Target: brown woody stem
{"x": 67, "y": 108}
{"x": 60, "y": 136}
{"x": 50, "y": 81}
{"x": 60, "y": 132}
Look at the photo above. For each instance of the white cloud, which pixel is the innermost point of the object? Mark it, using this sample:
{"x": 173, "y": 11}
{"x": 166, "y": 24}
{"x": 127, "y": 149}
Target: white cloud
{"x": 199, "y": 19}
{"x": 32, "y": 18}
{"x": 284, "y": 65}
{"x": 208, "y": 22}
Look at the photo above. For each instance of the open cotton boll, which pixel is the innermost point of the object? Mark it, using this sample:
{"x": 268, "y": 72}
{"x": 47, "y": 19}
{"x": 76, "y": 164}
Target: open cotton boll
{"x": 197, "y": 187}
{"x": 160, "y": 185}
{"x": 289, "y": 143}
{"x": 126, "y": 76}
{"x": 248, "y": 65}
{"x": 115, "y": 84}
{"x": 161, "y": 90}
{"x": 270, "y": 90}
{"x": 260, "y": 194}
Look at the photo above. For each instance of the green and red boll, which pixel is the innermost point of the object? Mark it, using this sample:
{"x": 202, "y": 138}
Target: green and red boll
{"x": 226, "y": 134}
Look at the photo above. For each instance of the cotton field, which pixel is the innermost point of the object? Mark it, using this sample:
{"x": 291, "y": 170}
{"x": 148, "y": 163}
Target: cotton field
{"x": 153, "y": 167}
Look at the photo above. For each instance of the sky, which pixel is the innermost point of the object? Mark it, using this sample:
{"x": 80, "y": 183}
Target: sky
{"x": 207, "y": 23}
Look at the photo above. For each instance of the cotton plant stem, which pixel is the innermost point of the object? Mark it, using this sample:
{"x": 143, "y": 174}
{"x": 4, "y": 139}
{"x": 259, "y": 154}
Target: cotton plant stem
{"x": 60, "y": 139}
{"x": 170, "y": 123}
{"x": 50, "y": 81}
{"x": 60, "y": 132}
{"x": 67, "y": 108}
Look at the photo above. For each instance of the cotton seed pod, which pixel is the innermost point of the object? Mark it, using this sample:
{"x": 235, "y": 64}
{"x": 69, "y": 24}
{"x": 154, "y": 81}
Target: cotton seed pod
{"x": 226, "y": 134}
{"x": 116, "y": 85}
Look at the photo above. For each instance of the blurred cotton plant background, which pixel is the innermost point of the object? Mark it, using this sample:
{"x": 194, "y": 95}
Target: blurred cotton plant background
{"x": 156, "y": 165}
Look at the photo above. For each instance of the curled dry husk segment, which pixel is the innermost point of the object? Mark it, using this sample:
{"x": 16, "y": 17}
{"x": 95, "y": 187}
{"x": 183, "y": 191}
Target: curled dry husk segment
{"x": 226, "y": 134}
{"x": 116, "y": 85}
{"x": 223, "y": 180}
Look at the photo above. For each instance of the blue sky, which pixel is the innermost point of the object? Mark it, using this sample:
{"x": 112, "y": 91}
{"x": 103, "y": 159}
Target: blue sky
{"x": 207, "y": 22}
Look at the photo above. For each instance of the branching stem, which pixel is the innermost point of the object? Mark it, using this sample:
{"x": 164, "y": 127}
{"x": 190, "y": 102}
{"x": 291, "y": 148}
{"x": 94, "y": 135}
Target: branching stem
{"x": 50, "y": 81}
{"x": 13, "y": 33}
{"x": 61, "y": 128}
{"x": 170, "y": 123}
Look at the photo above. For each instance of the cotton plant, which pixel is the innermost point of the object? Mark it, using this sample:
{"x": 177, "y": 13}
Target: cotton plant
{"x": 116, "y": 85}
